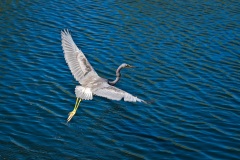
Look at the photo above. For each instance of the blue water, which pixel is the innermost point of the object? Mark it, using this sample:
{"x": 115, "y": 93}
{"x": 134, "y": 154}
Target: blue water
{"x": 188, "y": 59}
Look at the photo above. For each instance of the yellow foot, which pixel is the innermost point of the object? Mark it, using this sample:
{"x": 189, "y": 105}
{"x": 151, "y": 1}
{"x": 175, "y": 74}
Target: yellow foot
{"x": 71, "y": 114}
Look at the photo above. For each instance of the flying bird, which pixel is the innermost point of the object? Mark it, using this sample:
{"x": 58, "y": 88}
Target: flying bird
{"x": 90, "y": 82}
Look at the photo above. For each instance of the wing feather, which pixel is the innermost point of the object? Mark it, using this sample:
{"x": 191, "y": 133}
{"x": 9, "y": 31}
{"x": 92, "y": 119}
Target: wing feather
{"x": 76, "y": 60}
{"x": 115, "y": 93}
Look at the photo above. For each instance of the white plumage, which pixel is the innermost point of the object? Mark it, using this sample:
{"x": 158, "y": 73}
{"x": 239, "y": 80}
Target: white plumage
{"x": 83, "y": 93}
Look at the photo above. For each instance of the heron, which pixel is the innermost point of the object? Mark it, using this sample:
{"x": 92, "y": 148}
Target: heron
{"x": 91, "y": 84}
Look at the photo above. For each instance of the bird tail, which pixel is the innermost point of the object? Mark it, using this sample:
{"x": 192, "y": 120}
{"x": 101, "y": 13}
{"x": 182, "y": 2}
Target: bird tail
{"x": 83, "y": 93}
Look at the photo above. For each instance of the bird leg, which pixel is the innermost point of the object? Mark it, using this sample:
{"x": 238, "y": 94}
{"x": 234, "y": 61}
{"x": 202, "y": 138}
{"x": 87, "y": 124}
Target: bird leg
{"x": 71, "y": 114}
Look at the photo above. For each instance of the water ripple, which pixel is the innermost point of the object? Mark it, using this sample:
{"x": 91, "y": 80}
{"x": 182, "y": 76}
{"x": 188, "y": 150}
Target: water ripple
{"x": 187, "y": 59}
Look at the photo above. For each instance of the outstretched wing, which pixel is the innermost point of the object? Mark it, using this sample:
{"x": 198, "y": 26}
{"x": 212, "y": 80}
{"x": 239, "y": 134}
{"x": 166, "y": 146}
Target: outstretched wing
{"x": 76, "y": 60}
{"x": 115, "y": 93}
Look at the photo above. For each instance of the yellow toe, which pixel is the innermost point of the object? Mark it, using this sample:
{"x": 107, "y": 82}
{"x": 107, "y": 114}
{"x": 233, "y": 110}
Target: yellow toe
{"x": 71, "y": 114}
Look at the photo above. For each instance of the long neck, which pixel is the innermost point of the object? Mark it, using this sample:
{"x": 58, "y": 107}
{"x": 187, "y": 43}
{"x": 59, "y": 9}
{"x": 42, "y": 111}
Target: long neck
{"x": 118, "y": 75}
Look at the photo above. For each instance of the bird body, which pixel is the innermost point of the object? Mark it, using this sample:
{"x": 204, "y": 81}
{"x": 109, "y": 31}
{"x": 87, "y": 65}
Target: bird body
{"x": 90, "y": 82}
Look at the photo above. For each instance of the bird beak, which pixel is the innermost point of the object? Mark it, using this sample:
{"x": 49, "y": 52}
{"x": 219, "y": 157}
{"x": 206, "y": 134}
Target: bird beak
{"x": 131, "y": 66}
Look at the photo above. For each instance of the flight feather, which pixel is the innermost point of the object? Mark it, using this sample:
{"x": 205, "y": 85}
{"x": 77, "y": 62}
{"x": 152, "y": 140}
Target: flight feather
{"x": 76, "y": 60}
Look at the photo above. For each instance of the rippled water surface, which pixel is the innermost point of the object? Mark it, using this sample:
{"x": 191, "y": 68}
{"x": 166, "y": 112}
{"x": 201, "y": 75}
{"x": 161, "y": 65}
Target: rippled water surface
{"x": 187, "y": 55}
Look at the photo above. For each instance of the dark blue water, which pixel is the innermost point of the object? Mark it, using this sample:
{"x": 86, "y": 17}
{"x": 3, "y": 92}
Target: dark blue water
{"x": 188, "y": 59}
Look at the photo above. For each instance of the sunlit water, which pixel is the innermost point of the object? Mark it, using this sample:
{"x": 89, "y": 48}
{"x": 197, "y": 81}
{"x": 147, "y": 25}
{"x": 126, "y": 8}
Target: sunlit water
{"x": 187, "y": 55}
